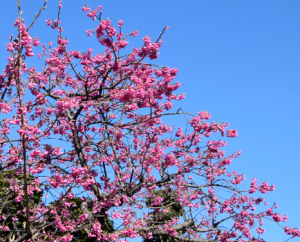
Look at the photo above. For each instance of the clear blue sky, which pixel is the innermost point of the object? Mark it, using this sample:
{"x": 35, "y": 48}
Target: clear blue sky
{"x": 238, "y": 60}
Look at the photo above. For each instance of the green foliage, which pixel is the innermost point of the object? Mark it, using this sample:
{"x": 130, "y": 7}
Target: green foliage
{"x": 108, "y": 225}
{"x": 158, "y": 216}
{"x": 75, "y": 212}
{"x": 10, "y": 208}
{"x": 174, "y": 208}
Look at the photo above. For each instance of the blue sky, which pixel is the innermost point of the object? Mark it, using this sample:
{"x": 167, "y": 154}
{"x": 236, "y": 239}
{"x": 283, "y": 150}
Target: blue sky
{"x": 239, "y": 60}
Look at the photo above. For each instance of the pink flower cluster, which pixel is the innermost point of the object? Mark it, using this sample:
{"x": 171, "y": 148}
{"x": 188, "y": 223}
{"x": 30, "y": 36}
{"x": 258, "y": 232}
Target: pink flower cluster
{"x": 92, "y": 123}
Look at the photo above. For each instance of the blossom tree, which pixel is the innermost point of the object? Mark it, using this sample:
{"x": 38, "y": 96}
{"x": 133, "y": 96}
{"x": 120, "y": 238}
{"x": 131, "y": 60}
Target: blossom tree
{"x": 86, "y": 155}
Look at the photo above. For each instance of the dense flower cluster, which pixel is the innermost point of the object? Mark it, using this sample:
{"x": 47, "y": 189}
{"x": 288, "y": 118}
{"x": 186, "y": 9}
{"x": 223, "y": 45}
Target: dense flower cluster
{"x": 92, "y": 124}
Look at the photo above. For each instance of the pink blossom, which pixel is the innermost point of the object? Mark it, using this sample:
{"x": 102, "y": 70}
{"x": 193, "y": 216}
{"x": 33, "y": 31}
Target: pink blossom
{"x": 85, "y": 9}
{"x": 67, "y": 238}
{"x": 277, "y": 217}
{"x": 232, "y": 133}
{"x": 92, "y": 14}
{"x": 35, "y": 41}
{"x": 89, "y": 32}
{"x": 48, "y": 22}
{"x": 9, "y": 47}
{"x": 158, "y": 201}
{"x": 19, "y": 199}
{"x": 17, "y": 22}
{"x": 134, "y": 33}
{"x": 120, "y": 23}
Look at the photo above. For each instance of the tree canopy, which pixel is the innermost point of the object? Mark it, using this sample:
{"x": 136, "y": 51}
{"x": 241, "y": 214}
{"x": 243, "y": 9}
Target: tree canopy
{"x": 86, "y": 154}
